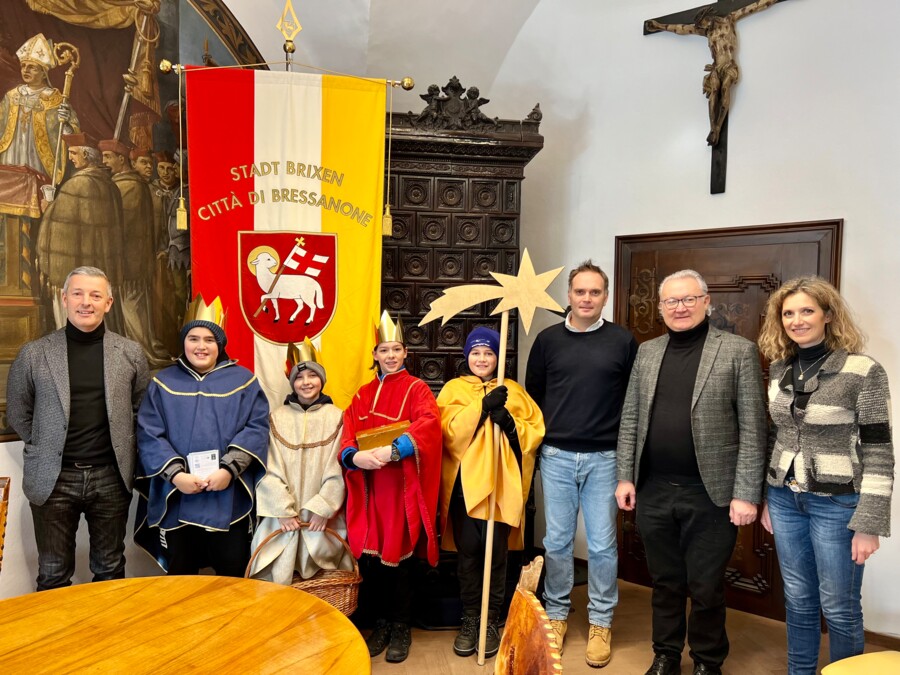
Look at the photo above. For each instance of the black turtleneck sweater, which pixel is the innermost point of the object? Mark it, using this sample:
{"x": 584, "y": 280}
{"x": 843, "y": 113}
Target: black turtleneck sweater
{"x": 87, "y": 440}
{"x": 669, "y": 449}
{"x": 808, "y": 363}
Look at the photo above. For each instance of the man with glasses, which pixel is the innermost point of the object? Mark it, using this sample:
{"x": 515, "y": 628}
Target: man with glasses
{"x": 691, "y": 454}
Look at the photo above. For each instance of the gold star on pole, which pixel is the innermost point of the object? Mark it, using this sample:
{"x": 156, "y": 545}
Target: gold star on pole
{"x": 527, "y": 291}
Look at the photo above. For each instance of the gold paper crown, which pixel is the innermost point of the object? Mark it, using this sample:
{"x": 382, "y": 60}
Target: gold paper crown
{"x": 305, "y": 351}
{"x": 198, "y": 310}
{"x": 387, "y": 330}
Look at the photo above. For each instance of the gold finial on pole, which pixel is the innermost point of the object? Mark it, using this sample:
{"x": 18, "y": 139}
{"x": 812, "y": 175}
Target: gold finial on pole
{"x": 167, "y": 67}
{"x": 407, "y": 83}
{"x": 288, "y": 25}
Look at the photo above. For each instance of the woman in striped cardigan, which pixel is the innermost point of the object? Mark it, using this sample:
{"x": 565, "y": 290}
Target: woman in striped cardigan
{"x": 831, "y": 464}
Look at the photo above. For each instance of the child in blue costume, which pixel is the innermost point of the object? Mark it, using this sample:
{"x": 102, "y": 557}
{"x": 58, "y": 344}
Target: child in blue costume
{"x": 204, "y": 402}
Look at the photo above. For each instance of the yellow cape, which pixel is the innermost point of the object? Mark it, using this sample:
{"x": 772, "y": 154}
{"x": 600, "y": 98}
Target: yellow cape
{"x": 469, "y": 453}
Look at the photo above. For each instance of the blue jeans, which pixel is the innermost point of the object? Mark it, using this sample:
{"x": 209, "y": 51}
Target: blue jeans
{"x": 101, "y": 496}
{"x": 814, "y": 549}
{"x": 587, "y": 480}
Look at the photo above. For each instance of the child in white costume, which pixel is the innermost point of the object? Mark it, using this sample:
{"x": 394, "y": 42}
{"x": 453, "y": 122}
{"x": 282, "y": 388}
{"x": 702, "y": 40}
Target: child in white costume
{"x": 304, "y": 481}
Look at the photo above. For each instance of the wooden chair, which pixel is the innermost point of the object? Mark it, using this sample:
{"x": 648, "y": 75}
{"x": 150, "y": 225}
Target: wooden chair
{"x": 4, "y": 509}
{"x": 529, "y": 644}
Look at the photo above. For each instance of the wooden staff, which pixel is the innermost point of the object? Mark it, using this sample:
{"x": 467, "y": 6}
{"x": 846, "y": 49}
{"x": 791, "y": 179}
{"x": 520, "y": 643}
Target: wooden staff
{"x": 489, "y": 539}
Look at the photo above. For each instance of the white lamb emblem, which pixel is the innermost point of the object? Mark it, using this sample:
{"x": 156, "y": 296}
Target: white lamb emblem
{"x": 300, "y": 288}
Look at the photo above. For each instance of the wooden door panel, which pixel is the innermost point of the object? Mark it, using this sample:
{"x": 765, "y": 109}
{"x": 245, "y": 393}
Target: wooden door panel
{"x": 742, "y": 267}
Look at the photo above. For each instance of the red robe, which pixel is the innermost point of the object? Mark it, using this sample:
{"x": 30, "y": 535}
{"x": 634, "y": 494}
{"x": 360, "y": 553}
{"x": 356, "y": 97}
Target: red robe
{"x": 388, "y": 509}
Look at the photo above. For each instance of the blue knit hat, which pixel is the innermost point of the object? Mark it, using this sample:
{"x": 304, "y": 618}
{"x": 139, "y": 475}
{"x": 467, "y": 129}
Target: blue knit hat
{"x": 483, "y": 337}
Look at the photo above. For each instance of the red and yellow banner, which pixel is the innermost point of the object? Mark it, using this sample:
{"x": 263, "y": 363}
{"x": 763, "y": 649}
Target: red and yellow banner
{"x": 286, "y": 195}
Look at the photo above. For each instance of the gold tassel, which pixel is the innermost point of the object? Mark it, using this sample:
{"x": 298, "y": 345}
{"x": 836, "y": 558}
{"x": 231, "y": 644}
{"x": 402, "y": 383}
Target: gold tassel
{"x": 181, "y": 215}
{"x": 387, "y": 222}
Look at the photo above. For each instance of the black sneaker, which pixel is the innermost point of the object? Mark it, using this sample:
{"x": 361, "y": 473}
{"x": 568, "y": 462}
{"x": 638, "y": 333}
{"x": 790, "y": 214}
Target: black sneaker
{"x": 467, "y": 639}
{"x": 379, "y": 637}
{"x": 492, "y": 640}
{"x": 401, "y": 638}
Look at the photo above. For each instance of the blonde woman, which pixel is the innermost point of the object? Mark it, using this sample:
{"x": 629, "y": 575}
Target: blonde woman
{"x": 831, "y": 464}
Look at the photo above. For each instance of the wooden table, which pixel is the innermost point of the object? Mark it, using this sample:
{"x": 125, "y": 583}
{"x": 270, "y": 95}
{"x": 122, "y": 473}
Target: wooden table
{"x": 178, "y": 624}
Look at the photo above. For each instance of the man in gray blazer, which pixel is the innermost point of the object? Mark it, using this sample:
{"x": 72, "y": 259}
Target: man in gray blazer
{"x": 690, "y": 456}
{"x": 73, "y": 396}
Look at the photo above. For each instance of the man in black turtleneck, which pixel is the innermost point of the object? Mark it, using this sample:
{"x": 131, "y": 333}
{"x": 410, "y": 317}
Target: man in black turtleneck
{"x": 691, "y": 454}
{"x": 72, "y": 397}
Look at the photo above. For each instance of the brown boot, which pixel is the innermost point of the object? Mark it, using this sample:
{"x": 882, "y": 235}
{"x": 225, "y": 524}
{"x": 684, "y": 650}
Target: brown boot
{"x": 599, "y": 650}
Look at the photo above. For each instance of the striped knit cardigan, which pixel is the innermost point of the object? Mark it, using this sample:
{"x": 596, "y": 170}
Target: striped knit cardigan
{"x": 843, "y": 435}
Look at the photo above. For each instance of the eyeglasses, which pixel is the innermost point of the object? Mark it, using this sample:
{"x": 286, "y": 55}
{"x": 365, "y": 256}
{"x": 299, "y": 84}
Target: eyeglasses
{"x": 688, "y": 301}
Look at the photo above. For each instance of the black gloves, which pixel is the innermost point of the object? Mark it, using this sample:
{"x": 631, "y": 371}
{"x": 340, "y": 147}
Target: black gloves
{"x": 502, "y": 418}
{"x": 495, "y": 399}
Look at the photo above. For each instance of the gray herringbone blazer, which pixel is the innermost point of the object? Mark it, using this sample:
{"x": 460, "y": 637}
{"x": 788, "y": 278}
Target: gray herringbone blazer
{"x": 728, "y": 417}
{"x": 38, "y": 403}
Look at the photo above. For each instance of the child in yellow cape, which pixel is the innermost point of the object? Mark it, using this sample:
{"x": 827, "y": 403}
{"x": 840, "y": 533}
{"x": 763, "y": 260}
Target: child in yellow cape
{"x": 470, "y": 406}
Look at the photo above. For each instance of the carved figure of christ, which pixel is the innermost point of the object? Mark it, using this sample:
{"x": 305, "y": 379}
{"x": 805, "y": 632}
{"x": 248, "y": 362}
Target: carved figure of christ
{"x": 716, "y": 22}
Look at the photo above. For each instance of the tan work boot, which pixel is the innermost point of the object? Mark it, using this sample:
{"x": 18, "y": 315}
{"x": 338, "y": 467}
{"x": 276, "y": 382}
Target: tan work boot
{"x": 598, "y": 652}
{"x": 559, "y": 630}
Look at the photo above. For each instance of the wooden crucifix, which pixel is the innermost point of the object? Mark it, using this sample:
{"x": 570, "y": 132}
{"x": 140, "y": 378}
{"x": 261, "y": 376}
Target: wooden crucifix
{"x": 716, "y": 22}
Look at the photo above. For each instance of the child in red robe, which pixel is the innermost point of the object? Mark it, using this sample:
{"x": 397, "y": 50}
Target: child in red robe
{"x": 392, "y": 490}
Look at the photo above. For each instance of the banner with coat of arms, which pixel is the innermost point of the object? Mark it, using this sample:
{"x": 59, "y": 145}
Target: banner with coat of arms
{"x": 287, "y": 183}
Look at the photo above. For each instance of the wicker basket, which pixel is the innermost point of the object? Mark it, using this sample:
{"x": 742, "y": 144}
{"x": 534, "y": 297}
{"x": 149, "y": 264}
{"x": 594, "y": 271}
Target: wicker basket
{"x": 339, "y": 588}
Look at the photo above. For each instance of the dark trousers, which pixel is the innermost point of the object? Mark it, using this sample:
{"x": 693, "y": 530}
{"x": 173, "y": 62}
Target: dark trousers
{"x": 191, "y": 548}
{"x": 688, "y": 541}
{"x": 99, "y": 494}
{"x": 386, "y": 591}
{"x": 470, "y": 535}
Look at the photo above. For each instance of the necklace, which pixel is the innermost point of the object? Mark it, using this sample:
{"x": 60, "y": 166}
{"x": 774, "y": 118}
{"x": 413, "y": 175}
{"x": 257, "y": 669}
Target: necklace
{"x": 803, "y": 370}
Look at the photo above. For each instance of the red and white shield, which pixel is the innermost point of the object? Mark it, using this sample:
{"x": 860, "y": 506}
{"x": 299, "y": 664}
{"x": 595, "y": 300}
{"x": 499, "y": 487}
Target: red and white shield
{"x": 288, "y": 283}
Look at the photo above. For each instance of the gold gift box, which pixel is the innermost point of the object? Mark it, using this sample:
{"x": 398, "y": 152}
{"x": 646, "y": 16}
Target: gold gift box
{"x": 381, "y": 436}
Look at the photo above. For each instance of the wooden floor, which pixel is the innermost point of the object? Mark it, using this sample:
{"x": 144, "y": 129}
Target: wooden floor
{"x": 758, "y": 645}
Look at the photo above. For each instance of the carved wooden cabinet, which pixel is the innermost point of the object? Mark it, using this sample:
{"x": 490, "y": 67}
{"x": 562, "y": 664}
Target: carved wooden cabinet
{"x": 454, "y": 187}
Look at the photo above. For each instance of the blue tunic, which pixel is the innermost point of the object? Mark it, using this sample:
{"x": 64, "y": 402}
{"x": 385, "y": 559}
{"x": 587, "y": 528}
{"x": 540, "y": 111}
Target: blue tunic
{"x": 184, "y": 412}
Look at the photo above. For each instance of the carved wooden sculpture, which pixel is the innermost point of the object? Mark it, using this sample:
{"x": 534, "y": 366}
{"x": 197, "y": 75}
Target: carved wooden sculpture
{"x": 4, "y": 508}
{"x": 716, "y": 22}
{"x": 529, "y": 644}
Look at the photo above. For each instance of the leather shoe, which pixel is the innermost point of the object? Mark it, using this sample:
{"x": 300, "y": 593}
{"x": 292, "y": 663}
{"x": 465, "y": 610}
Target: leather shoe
{"x": 401, "y": 638}
{"x": 703, "y": 669}
{"x": 378, "y": 639}
{"x": 664, "y": 664}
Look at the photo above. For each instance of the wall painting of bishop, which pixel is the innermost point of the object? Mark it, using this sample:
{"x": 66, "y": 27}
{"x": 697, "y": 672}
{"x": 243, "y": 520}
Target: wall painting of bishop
{"x": 90, "y": 160}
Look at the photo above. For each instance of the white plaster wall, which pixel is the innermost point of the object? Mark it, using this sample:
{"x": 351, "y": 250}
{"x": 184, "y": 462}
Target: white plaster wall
{"x": 812, "y": 135}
